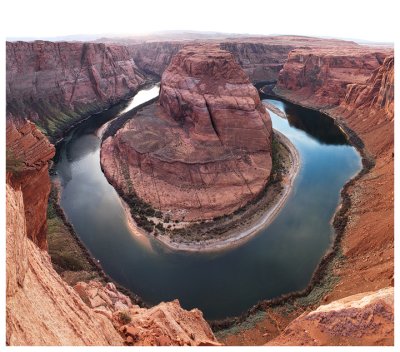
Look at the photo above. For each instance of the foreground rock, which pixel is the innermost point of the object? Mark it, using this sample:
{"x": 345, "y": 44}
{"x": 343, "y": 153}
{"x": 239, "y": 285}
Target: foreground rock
{"x": 204, "y": 150}
{"x": 41, "y": 309}
{"x": 365, "y": 319}
{"x": 28, "y": 153}
{"x": 165, "y": 324}
{"x": 56, "y": 84}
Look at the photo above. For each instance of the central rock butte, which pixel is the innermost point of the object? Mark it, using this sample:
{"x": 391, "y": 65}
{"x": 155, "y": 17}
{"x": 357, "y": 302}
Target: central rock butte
{"x": 202, "y": 151}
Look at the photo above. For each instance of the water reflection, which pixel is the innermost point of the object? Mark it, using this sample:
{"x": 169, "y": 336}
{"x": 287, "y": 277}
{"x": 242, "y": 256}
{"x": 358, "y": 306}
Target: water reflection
{"x": 317, "y": 126}
{"x": 280, "y": 259}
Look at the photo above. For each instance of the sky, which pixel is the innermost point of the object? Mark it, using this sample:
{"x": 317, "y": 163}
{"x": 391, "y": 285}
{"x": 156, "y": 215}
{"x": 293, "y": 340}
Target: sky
{"x": 353, "y": 19}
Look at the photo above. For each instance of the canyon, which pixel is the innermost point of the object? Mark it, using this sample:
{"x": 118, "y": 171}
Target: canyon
{"x": 363, "y": 106}
{"x": 55, "y": 85}
{"x": 204, "y": 150}
{"x": 42, "y": 309}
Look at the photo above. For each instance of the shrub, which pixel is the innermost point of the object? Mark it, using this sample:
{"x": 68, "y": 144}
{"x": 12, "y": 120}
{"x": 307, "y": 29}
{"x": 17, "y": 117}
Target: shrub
{"x": 13, "y": 164}
{"x": 124, "y": 317}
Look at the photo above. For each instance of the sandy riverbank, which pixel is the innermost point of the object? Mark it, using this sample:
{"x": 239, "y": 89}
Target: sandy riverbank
{"x": 241, "y": 234}
{"x": 259, "y": 217}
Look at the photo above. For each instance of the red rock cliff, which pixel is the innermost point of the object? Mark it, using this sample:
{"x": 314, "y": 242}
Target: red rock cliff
{"x": 357, "y": 89}
{"x": 54, "y": 84}
{"x": 41, "y": 309}
{"x": 260, "y": 57}
{"x": 204, "y": 151}
{"x": 28, "y": 153}
{"x": 365, "y": 319}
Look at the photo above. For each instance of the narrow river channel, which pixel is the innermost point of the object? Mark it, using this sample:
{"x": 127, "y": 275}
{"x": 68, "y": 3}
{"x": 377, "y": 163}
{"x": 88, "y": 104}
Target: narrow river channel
{"x": 280, "y": 259}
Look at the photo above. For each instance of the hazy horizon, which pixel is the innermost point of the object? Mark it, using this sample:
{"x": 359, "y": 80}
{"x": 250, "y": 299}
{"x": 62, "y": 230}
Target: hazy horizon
{"x": 41, "y": 20}
{"x": 169, "y": 33}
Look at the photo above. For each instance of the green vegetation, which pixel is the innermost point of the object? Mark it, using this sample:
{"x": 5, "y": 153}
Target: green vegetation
{"x": 124, "y": 317}
{"x": 142, "y": 212}
{"x": 68, "y": 257}
{"x": 325, "y": 285}
{"x": 248, "y": 324}
{"x": 55, "y": 116}
{"x": 13, "y": 164}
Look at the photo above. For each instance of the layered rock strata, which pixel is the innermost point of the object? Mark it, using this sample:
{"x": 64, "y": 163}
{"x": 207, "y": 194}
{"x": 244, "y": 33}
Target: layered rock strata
{"x": 357, "y": 89}
{"x": 28, "y": 153}
{"x": 260, "y": 57}
{"x": 324, "y": 75}
{"x": 204, "y": 150}
{"x": 364, "y": 319}
{"x": 165, "y": 324}
{"x": 56, "y": 84}
{"x": 41, "y": 309}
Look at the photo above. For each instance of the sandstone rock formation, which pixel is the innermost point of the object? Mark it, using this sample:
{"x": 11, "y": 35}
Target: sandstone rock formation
{"x": 104, "y": 300}
{"x": 355, "y": 86}
{"x": 165, "y": 324}
{"x": 363, "y": 319}
{"x": 363, "y": 102}
{"x": 154, "y": 57}
{"x": 41, "y": 309}
{"x": 260, "y": 57}
{"x": 376, "y": 95}
{"x": 56, "y": 84}
{"x": 28, "y": 153}
{"x": 324, "y": 74}
{"x": 204, "y": 150}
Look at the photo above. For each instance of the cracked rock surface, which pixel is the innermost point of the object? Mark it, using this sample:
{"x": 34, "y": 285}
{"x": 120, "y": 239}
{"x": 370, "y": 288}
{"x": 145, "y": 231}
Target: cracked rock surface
{"x": 204, "y": 149}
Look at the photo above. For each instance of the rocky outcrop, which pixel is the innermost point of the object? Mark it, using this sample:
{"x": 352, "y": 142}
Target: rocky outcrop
{"x": 260, "y": 57}
{"x": 204, "y": 150}
{"x": 105, "y": 300}
{"x": 365, "y": 319}
{"x": 154, "y": 57}
{"x": 41, "y": 309}
{"x": 376, "y": 95}
{"x": 357, "y": 89}
{"x": 56, "y": 84}
{"x": 28, "y": 153}
{"x": 323, "y": 75}
{"x": 165, "y": 324}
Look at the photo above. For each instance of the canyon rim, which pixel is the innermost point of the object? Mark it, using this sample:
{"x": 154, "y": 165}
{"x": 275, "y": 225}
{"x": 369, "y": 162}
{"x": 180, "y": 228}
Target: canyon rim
{"x": 190, "y": 188}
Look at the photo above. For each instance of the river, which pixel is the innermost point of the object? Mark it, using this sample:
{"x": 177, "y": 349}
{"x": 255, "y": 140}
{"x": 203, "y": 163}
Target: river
{"x": 280, "y": 259}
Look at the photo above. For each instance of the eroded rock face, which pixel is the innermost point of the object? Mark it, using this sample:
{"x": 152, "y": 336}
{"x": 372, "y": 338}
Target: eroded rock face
{"x": 377, "y": 94}
{"x": 323, "y": 74}
{"x": 41, "y": 309}
{"x": 165, "y": 324}
{"x": 260, "y": 57}
{"x": 363, "y": 319}
{"x": 28, "y": 153}
{"x": 356, "y": 88}
{"x": 54, "y": 84}
{"x": 204, "y": 150}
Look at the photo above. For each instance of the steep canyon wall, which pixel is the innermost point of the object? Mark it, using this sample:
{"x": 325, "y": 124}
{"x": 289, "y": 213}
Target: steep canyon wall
{"x": 357, "y": 89}
{"x": 56, "y": 84}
